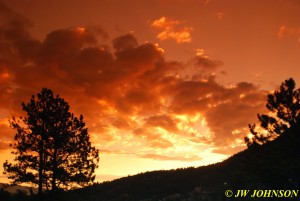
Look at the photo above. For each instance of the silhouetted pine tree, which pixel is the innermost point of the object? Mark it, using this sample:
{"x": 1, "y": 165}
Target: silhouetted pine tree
{"x": 284, "y": 105}
{"x": 52, "y": 146}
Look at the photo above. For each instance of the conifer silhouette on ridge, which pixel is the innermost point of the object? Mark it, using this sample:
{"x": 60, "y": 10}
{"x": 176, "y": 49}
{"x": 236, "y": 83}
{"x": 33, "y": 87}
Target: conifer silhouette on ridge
{"x": 284, "y": 105}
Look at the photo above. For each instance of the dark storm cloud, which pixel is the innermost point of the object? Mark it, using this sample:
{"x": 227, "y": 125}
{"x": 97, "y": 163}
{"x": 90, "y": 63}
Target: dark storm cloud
{"x": 207, "y": 63}
{"x": 163, "y": 121}
{"x": 236, "y": 108}
{"x": 125, "y": 42}
{"x": 130, "y": 87}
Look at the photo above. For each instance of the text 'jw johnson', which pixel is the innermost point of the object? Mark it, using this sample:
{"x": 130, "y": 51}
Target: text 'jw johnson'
{"x": 262, "y": 193}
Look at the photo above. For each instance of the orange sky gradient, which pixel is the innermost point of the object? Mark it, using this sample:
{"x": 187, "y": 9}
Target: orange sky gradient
{"x": 162, "y": 84}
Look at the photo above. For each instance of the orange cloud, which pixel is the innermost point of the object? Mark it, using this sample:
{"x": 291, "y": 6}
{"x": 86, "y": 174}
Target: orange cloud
{"x": 228, "y": 150}
{"x": 130, "y": 96}
{"x": 285, "y": 31}
{"x": 164, "y": 121}
{"x": 6, "y": 134}
{"x": 220, "y": 15}
{"x": 4, "y": 146}
{"x": 187, "y": 158}
{"x": 203, "y": 61}
{"x": 172, "y": 29}
{"x": 153, "y": 138}
{"x": 206, "y": 1}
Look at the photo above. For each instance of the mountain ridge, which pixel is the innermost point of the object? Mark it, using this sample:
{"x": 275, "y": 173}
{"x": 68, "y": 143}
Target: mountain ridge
{"x": 275, "y": 164}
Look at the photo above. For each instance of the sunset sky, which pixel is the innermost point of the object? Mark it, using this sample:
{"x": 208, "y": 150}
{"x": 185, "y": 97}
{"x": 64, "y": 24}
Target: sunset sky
{"x": 162, "y": 84}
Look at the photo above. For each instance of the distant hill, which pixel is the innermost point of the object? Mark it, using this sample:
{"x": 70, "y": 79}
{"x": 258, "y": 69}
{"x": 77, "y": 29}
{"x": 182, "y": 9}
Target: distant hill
{"x": 275, "y": 165}
{"x": 15, "y": 188}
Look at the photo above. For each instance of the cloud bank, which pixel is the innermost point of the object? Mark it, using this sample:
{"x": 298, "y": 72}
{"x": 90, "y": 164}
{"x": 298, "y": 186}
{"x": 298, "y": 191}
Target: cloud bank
{"x": 131, "y": 97}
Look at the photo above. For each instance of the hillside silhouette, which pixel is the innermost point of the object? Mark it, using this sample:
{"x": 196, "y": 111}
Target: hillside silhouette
{"x": 274, "y": 165}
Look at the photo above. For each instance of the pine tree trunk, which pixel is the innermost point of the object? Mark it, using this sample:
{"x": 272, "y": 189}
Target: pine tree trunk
{"x": 54, "y": 188}
{"x": 41, "y": 167}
